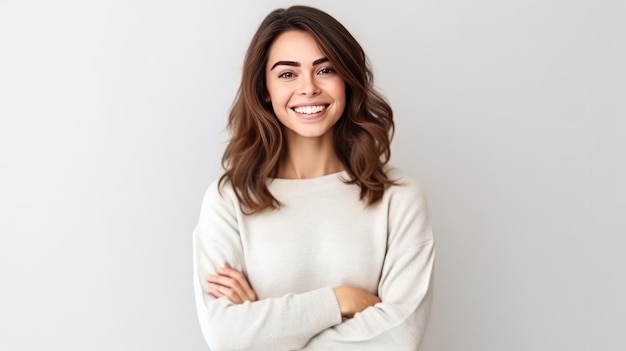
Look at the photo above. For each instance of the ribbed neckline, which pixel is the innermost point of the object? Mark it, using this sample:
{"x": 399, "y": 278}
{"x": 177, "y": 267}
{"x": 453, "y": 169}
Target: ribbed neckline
{"x": 331, "y": 176}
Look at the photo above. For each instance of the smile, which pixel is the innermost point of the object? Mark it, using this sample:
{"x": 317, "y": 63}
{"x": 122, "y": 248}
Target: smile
{"x": 309, "y": 110}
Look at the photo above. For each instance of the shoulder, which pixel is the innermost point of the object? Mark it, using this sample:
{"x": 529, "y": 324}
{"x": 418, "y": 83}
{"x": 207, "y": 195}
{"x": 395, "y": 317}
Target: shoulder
{"x": 220, "y": 193}
{"x": 409, "y": 218}
{"x": 406, "y": 194}
{"x": 404, "y": 184}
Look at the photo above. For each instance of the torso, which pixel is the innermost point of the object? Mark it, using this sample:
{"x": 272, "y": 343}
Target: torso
{"x": 322, "y": 235}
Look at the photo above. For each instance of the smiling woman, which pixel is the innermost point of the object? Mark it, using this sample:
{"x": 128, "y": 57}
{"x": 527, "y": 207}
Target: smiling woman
{"x": 310, "y": 240}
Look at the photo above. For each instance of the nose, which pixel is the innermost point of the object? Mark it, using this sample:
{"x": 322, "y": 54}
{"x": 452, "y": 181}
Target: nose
{"x": 309, "y": 86}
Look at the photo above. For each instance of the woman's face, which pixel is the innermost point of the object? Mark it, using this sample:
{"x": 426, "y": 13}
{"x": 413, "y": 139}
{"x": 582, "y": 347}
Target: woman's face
{"x": 307, "y": 95}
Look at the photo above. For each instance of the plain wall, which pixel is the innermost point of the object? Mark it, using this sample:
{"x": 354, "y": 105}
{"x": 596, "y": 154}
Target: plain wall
{"x": 510, "y": 114}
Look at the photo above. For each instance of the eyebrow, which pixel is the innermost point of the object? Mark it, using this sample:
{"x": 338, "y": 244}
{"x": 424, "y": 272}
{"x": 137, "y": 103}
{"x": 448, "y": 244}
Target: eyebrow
{"x": 297, "y": 64}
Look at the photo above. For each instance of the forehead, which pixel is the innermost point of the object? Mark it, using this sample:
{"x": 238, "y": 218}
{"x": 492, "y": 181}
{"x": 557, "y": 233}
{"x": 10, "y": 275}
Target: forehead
{"x": 295, "y": 45}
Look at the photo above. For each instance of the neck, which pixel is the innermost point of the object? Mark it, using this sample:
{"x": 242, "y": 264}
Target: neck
{"x": 309, "y": 157}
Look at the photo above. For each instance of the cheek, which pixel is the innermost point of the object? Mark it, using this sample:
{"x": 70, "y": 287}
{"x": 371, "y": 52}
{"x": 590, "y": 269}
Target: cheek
{"x": 339, "y": 89}
{"x": 277, "y": 93}
{"x": 272, "y": 88}
{"x": 340, "y": 95}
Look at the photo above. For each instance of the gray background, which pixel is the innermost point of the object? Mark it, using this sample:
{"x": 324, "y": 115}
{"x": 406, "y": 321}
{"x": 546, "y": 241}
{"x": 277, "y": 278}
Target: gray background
{"x": 510, "y": 113}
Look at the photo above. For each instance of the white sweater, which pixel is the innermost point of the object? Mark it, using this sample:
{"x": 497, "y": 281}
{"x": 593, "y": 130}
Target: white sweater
{"x": 322, "y": 236}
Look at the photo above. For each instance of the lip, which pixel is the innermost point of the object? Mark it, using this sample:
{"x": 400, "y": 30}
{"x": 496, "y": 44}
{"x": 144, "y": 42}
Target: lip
{"x": 310, "y": 104}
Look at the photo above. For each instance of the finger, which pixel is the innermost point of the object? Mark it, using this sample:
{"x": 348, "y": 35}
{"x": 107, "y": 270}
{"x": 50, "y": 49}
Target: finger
{"x": 208, "y": 286}
{"x": 246, "y": 289}
{"x": 240, "y": 286}
{"x": 210, "y": 289}
{"x": 221, "y": 291}
{"x": 229, "y": 283}
{"x": 235, "y": 280}
{"x": 230, "y": 293}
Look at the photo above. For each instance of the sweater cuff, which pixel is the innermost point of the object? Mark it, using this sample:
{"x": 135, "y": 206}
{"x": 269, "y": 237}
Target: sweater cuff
{"x": 327, "y": 306}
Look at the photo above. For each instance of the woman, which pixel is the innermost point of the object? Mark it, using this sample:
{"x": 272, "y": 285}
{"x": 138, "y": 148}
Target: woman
{"x": 309, "y": 240}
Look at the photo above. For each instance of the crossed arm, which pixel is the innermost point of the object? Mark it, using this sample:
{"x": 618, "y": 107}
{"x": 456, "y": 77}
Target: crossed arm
{"x": 230, "y": 283}
{"x": 397, "y": 322}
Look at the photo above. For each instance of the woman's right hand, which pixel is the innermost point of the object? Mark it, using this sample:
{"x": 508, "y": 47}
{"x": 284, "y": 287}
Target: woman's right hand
{"x": 232, "y": 284}
{"x": 353, "y": 300}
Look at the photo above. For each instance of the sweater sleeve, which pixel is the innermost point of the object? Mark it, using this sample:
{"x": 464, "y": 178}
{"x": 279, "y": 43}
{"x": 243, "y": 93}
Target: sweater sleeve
{"x": 284, "y": 323}
{"x": 399, "y": 321}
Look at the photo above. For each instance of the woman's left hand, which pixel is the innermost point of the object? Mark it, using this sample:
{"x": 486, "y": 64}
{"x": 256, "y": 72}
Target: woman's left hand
{"x": 232, "y": 284}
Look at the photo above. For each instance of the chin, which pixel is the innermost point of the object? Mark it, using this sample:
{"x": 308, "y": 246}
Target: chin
{"x": 310, "y": 133}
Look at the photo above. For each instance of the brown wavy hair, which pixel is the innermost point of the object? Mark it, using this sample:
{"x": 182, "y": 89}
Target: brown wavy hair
{"x": 362, "y": 135}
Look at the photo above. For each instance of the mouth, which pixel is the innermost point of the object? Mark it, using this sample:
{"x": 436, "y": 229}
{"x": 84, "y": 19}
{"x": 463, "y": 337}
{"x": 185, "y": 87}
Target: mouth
{"x": 309, "y": 110}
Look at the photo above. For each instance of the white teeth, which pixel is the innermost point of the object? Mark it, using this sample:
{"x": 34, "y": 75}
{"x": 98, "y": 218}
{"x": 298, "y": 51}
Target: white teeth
{"x": 309, "y": 110}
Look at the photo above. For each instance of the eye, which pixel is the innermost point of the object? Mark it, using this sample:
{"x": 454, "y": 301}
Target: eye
{"x": 287, "y": 75}
{"x": 326, "y": 71}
